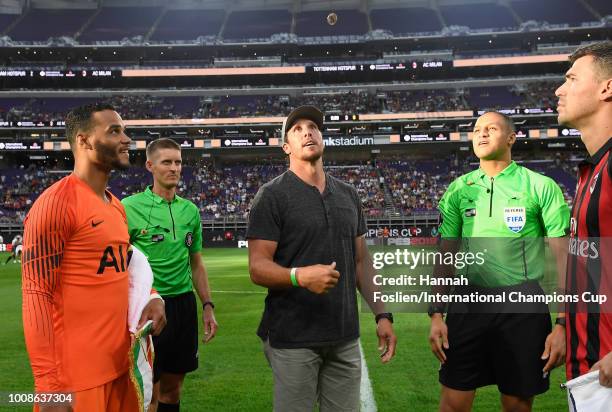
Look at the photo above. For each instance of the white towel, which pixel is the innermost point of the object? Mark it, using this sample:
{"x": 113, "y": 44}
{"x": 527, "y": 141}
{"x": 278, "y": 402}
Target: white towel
{"x": 585, "y": 394}
{"x": 141, "y": 282}
{"x": 141, "y": 350}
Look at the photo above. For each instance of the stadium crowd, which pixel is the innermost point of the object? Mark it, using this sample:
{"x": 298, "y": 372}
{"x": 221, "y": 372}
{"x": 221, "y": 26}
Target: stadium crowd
{"x": 389, "y": 186}
{"x": 416, "y": 187}
{"x": 532, "y": 95}
{"x": 19, "y": 188}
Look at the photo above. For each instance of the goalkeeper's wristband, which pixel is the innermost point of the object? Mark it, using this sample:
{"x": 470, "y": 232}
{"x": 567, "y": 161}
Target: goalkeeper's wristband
{"x": 294, "y": 280}
{"x": 156, "y": 296}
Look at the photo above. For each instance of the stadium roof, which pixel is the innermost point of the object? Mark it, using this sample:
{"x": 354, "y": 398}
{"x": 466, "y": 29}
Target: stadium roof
{"x": 295, "y": 5}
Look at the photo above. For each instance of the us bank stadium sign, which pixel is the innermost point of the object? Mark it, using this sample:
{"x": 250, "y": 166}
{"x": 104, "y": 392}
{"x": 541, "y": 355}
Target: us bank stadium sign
{"x": 348, "y": 141}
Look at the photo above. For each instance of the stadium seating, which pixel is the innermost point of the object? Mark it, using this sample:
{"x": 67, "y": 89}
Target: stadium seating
{"x": 541, "y": 94}
{"x": 405, "y": 20}
{"x": 150, "y": 107}
{"x": 16, "y": 109}
{"x": 243, "y": 25}
{"x": 492, "y": 97}
{"x": 559, "y": 168}
{"x": 354, "y": 101}
{"x": 399, "y": 186}
{"x": 366, "y": 180}
{"x": 235, "y": 106}
{"x": 572, "y": 11}
{"x": 117, "y": 23}
{"x": 188, "y": 24}
{"x": 314, "y": 23}
{"x": 6, "y": 20}
{"x": 416, "y": 187}
{"x": 176, "y": 25}
{"x": 228, "y": 192}
{"x": 424, "y": 101}
{"x": 18, "y": 190}
{"x": 36, "y": 26}
{"x": 130, "y": 107}
{"x": 603, "y": 7}
{"x": 532, "y": 95}
{"x": 484, "y": 16}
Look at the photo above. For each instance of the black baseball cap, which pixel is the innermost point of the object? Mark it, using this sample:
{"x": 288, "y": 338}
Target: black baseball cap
{"x": 303, "y": 112}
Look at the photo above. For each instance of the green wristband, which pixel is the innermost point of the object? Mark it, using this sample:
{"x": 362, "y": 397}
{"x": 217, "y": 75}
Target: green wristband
{"x": 294, "y": 280}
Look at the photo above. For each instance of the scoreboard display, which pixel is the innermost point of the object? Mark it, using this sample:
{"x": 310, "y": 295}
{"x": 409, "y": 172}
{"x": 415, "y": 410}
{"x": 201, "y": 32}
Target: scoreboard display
{"x": 332, "y": 118}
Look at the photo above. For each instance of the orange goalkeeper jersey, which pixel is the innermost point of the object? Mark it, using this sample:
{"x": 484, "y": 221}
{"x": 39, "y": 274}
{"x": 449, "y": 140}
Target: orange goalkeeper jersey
{"x": 75, "y": 288}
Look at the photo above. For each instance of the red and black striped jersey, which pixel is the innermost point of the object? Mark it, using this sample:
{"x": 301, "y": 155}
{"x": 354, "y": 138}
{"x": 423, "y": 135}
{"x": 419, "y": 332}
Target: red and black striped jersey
{"x": 589, "y": 265}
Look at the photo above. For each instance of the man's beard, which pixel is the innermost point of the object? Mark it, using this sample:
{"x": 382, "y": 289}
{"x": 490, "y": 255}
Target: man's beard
{"x": 107, "y": 156}
{"x": 313, "y": 157}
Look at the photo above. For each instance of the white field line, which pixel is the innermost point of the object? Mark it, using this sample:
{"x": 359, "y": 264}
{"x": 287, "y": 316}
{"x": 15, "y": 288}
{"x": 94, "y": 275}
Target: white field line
{"x": 368, "y": 403}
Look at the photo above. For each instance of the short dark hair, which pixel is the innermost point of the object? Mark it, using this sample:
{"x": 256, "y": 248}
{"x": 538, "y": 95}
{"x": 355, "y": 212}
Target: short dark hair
{"x": 79, "y": 119}
{"x": 507, "y": 120}
{"x": 161, "y": 143}
{"x": 602, "y": 55}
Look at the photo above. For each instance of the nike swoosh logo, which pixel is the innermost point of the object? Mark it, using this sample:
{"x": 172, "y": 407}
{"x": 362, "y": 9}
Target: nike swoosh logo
{"x": 94, "y": 224}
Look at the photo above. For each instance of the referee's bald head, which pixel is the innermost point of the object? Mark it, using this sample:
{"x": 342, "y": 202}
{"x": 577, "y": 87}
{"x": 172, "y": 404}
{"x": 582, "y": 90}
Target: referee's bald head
{"x": 506, "y": 120}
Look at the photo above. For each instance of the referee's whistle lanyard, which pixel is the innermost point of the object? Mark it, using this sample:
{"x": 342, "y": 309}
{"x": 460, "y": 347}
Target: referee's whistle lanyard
{"x": 491, "y": 198}
{"x": 172, "y": 219}
{"x": 489, "y": 191}
{"x": 166, "y": 230}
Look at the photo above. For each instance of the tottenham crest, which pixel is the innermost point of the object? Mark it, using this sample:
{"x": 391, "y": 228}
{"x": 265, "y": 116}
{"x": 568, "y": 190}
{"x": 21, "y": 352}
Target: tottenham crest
{"x": 515, "y": 218}
{"x": 189, "y": 239}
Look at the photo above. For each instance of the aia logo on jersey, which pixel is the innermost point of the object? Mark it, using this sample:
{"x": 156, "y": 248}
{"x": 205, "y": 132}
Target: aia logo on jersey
{"x": 118, "y": 259}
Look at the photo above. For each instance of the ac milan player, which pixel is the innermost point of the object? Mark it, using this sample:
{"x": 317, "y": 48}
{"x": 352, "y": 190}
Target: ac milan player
{"x": 585, "y": 103}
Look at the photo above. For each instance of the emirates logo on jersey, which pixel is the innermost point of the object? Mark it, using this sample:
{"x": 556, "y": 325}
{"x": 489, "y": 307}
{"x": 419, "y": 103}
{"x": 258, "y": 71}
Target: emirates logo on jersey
{"x": 580, "y": 247}
{"x": 584, "y": 248}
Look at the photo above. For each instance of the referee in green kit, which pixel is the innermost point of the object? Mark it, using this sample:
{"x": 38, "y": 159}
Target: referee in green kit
{"x": 504, "y": 211}
{"x": 168, "y": 230}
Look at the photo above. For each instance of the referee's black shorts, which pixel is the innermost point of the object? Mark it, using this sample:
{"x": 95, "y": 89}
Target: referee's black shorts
{"x": 488, "y": 347}
{"x": 176, "y": 348}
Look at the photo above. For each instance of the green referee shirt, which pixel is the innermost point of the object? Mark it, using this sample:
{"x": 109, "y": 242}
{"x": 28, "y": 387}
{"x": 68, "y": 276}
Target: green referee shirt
{"x": 167, "y": 233}
{"x": 506, "y": 218}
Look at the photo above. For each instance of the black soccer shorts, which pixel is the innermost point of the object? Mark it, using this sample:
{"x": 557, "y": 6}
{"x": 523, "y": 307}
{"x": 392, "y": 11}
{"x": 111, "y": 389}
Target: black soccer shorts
{"x": 502, "y": 349}
{"x": 176, "y": 348}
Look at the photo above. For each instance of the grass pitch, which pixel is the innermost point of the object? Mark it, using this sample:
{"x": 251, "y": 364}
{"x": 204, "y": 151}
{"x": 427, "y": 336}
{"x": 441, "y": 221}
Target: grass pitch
{"x": 233, "y": 373}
